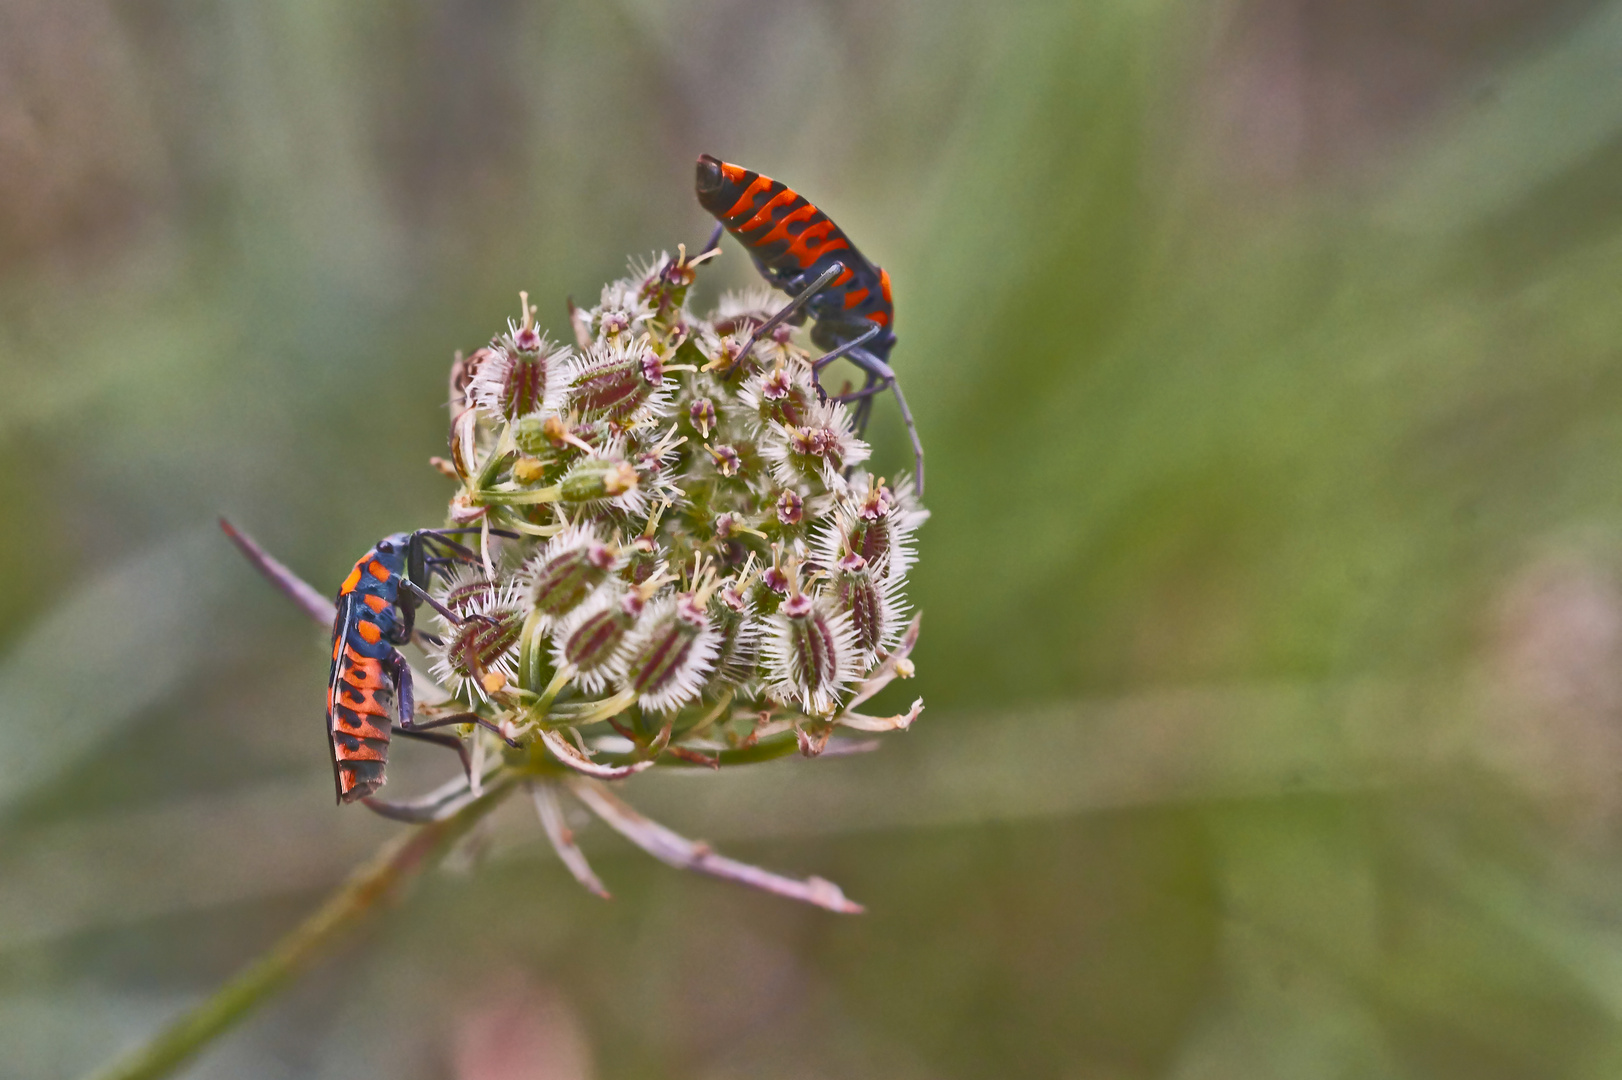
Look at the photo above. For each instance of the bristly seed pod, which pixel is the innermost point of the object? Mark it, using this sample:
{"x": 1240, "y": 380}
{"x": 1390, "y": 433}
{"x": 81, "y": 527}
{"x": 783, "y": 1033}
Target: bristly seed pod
{"x": 594, "y": 637}
{"x": 674, "y": 648}
{"x": 737, "y": 649}
{"x": 818, "y": 452}
{"x": 875, "y": 614}
{"x": 593, "y": 640}
{"x": 879, "y": 529}
{"x": 810, "y": 654}
{"x": 520, "y": 373}
{"x": 565, "y": 573}
{"x": 479, "y": 652}
{"x": 621, "y": 380}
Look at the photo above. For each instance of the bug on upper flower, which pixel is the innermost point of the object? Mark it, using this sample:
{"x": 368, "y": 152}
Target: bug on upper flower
{"x": 799, "y": 249}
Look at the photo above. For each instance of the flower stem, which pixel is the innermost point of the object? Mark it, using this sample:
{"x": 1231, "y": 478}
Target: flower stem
{"x": 396, "y": 863}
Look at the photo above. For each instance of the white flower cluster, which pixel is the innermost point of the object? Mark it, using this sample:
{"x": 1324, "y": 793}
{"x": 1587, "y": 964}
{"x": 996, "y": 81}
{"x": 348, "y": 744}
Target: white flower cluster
{"x": 678, "y": 534}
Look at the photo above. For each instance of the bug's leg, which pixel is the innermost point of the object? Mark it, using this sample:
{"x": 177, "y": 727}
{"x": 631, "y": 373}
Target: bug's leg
{"x": 844, "y": 350}
{"x": 715, "y": 239}
{"x": 790, "y": 308}
{"x": 437, "y": 805}
{"x": 449, "y": 742}
{"x": 417, "y": 591}
{"x": 885, "y": 374}
{"x": 406, "y": 696}
{"x": 864, "y": 402}
{"x": 465, "y": 718}
{"x": 865, "y": 394}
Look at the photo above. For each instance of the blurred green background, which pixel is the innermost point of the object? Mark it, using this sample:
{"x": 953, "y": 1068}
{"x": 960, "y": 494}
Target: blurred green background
{"x": 1269, "y": 358}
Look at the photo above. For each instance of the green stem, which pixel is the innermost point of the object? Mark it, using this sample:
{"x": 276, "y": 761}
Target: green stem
{"x": 397, "y": 862}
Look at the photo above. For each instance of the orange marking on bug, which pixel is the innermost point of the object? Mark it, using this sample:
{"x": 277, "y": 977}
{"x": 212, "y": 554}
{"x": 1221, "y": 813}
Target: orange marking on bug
{"x": 377, "y": 570}
{"x": 746, "y": 201}
{"x": 336, "y": 641}
{"x": 880, "y": 317}
{"x": 376, "y": 603}
{"x": 846, "y": 276}
{"x": 764, "y": 215}
{"x": 836, "y": 244}
{"x": 884, "y": 285}
{"x": 780, "y": 230}
{"x": 368, "y": 676}
{"x": 854, "y": 297}
{"x": 350, "y": 582}
{"x": 808, "y": 247}
{"x": 369, "y": 630}
{"x": 735, "y": 173}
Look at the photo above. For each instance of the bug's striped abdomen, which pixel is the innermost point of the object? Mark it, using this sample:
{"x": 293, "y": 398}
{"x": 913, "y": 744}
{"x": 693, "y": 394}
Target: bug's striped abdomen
{"x": 360, "y": 692}
{"x": 793, "y": 242}
{"x": 358, "y": 710}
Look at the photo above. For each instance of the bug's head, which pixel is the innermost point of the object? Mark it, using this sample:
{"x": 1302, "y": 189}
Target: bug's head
{"x": 713, "y": 184}
{"x": 709, "y": 175}
{"x": 394, "y": 551}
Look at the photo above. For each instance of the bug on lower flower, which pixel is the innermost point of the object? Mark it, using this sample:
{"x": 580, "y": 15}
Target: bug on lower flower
{"x": 377, "y": 604}
{"x": 664, "y": 557}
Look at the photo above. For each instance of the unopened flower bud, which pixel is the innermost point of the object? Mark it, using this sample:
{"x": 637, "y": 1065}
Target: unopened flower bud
{"x": 598, "y": 478}
{"x": 702, "y": 414}
{"x": 727, "y": 461}
{"x": 528, "y": 470}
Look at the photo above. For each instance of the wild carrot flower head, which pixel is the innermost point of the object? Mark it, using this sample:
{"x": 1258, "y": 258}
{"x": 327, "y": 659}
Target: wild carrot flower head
{"x": 670, "y": 549}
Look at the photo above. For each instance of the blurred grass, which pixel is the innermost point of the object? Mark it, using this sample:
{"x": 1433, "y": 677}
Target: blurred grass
{"x": 1266, "y": 354}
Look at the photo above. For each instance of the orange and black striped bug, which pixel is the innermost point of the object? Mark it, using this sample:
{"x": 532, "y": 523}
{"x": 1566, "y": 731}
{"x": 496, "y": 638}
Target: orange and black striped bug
{"x": 799, "y": 249}
{"x": 377, "y": 606}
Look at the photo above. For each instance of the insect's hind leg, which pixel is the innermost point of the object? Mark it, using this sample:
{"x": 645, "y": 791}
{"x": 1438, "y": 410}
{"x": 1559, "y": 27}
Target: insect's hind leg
{"x": 406, "y": 696}
{"x": 464, "y": 718}
{"x": 880, "y": 371}
{"x": 449, "y": 742}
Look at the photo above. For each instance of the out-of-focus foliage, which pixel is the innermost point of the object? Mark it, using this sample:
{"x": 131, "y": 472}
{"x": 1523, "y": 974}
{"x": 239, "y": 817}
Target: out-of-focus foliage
{"x": 1275, "y": 719}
